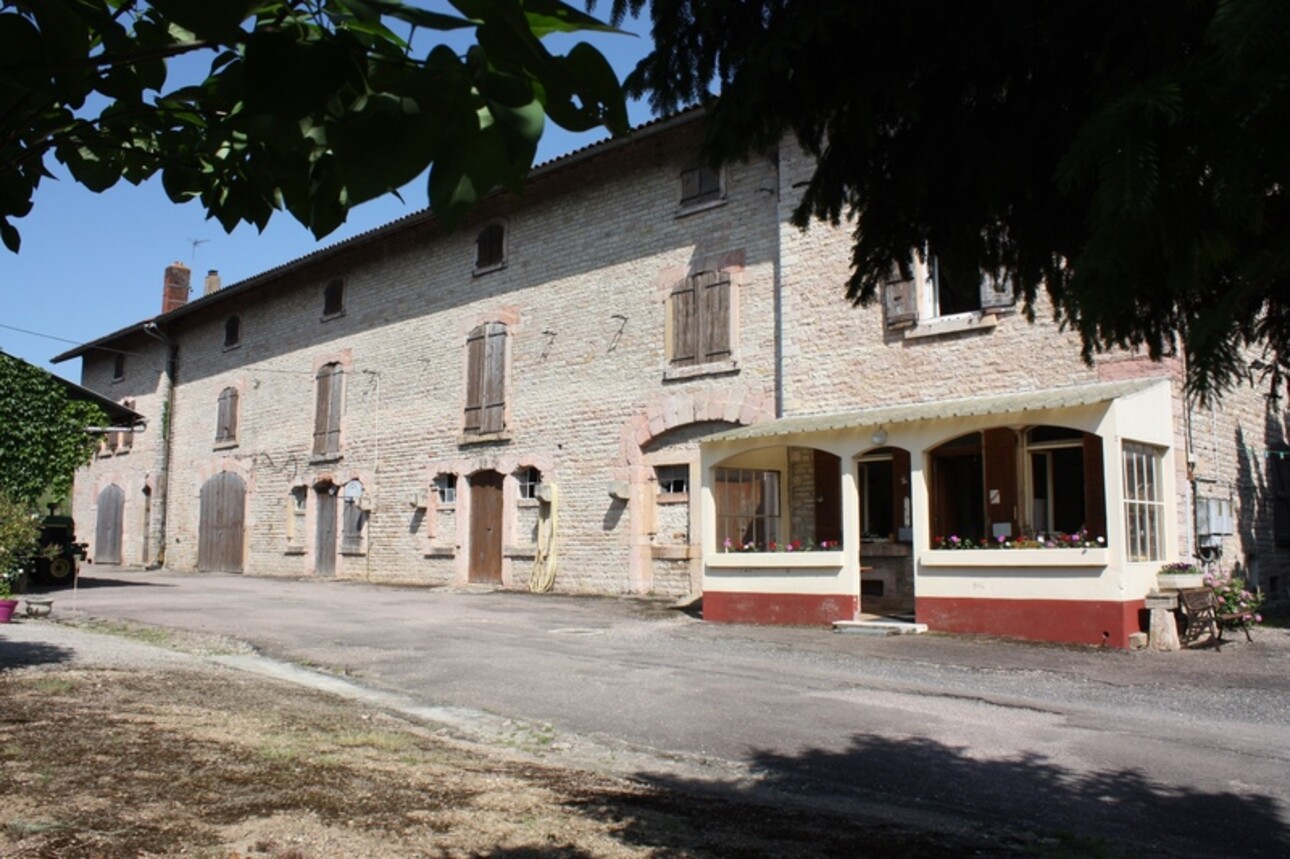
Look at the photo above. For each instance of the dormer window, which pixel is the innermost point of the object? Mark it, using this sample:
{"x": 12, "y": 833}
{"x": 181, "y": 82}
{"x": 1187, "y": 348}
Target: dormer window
{"x": 490, "y": 248}
{"x": 118, "y": 366}
{"x": 232, "y": 332}
{"x": 334, "y": 298}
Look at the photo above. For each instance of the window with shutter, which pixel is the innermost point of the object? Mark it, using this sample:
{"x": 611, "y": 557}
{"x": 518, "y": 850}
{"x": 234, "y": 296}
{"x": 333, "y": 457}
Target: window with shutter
{"x": 226, "y": 420}
{"x": 327, "y": 410}
{"x": 701, "y": 319}
{"x": 486, "y": 379}
{"x": 937, "y": 288}
{"x": 701, "y": 184}
{"x": 490, "y": 248}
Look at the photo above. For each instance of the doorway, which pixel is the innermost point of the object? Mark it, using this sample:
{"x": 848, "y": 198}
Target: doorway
{"x": 486, "y": 528}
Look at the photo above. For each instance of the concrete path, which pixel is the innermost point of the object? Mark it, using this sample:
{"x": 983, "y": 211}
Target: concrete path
{"x": 1172, "y": 753}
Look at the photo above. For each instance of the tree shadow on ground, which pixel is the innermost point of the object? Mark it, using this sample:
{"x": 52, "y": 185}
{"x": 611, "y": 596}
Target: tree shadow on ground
{"x": 1012, "y": 804}
{"x": 23, "y": 654}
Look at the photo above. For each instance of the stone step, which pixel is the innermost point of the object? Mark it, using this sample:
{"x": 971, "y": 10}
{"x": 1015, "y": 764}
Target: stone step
{"x": 879, "y": 626}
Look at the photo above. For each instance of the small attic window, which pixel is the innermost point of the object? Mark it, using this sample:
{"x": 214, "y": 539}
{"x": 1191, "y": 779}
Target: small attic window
{"x": 118, "y": 366}
{"x": 490, "y": 248}
{"x": 232, "y": 332}
{"x": 334, "y": 298}
{"x": 700, "y": 184}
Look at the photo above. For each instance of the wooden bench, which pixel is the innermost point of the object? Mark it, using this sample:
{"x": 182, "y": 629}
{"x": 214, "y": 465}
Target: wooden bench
{"x": 1205, "y": 618}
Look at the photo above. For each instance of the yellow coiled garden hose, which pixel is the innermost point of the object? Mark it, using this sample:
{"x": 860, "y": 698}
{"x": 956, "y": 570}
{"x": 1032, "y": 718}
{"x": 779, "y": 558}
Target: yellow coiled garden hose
{"x": 543, "y": 578}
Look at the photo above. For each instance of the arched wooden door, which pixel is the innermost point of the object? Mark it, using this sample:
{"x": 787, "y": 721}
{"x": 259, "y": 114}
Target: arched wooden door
{"x": 107, "y": 532}
{"x": 220, "y": 528}
{"x": 486, "y": 528}
{"x": 325, "y": 538}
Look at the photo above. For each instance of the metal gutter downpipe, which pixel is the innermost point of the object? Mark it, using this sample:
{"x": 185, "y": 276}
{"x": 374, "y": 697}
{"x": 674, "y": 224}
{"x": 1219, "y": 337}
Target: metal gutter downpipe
{"x": 162, "y": 498}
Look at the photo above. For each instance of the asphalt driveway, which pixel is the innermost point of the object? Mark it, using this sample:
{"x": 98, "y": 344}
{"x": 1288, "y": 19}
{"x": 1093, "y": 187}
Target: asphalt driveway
{"x": 1172, "y": 753}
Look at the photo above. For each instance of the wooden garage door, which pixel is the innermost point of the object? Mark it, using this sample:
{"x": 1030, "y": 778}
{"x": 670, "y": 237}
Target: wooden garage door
{"x": 220, "y": 526}
{"x": 107, "y": 533}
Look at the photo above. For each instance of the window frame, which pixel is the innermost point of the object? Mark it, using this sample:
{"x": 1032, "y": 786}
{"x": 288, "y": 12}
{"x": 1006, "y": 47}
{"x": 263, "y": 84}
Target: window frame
{"x": 1144, "y": 502}
{"x": 233, "y": 332}
{"x": 297, "y": 510}
{"x": 226, "y": 416}
{"x": 118, "y": 367}
{"x": 484, "y": 415}
{"x": 696, "y": 340}
{"x": 527, "y": 480}
{"x": 353, "y": 518}
{"x": 770, "y": 495}
{"x": 667, "y": 491}
{"x": 492, "y": 263}
{"x": 445, "y": 490}
{"x": 915, "y": 303}
{"x": 708, "y": 187}
{"x": 333, "y": 299}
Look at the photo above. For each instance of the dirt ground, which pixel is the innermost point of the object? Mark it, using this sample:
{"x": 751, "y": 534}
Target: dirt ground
{"x": 188, "y": 758}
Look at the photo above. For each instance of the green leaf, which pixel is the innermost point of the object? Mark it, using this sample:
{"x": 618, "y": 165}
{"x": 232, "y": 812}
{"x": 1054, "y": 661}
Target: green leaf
{"x": 216, "y": 20}
{"x": 551, "y": 16}
{"x": 9, "y": 234}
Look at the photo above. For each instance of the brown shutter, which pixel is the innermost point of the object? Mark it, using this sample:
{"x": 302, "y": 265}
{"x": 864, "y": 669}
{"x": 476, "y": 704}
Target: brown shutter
{"x": 1094, "y": 487}
{"x": 901, "y": 300}
{"x": 474, "y": 378}
{"x": 494, "y": 400}
{"x": 335, "y": 404}
{"x": 685, "y": 322}
{"x": 322, "y": 409}
{"x": 1000, "y": 448}
{"x": 715, "y": 316}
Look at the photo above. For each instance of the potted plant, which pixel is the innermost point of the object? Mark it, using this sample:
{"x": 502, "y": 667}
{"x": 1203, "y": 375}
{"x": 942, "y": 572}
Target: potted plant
{"x": 1182, "y": 575}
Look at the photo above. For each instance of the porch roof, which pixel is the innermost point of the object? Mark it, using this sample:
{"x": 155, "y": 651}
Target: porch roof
{"x": 933, "y": 410}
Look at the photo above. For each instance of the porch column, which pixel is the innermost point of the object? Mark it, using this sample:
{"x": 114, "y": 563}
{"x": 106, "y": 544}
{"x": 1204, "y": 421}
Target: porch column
{"x": 851, "y": 560}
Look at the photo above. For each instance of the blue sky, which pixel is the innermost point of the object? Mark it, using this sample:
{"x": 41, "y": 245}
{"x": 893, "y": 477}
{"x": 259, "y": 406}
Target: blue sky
{"x": 93, "y": 263}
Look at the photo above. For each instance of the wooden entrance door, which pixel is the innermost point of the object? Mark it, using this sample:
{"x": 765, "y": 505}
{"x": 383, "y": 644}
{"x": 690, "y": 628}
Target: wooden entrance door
{"x": 220, "y": 527}
{"x": 325, "y": 544}
{"x": 486, "y": 528}
{"x": 107, "y": 533}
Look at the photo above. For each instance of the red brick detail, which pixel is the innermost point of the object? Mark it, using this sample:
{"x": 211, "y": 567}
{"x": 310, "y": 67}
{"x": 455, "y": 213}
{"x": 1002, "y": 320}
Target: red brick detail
{"x": 779, "y": 609}
{"x": 1100, "y": 622}
{"x": 174, "y": 292}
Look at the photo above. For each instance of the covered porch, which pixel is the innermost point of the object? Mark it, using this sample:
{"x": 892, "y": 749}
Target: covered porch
{"x": 1042, "y": 514}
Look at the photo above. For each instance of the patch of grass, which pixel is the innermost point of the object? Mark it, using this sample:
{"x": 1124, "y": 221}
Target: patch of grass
{"x": 136, "y": 632}
{"x": 23, "y": 828}
{"x": 52, "y": 685}
{"x": 385, "y": 741}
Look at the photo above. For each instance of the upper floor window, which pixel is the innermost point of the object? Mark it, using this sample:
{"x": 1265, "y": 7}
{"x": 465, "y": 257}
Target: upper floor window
{"x": 334, "y": 298}
{"x": 486, "y": 379}
{"x": 529, "y": 480}
{"x": 327, "y": 409}
{"x": 490, "y": 248}
{"x": 226, "y": 416}
{"x": 118, "y": 366}
{"x": 700, "y": 319}
{"x": 232, "y": 331}
{"x": 938, "y": 288}
{"x": 700, "y": 184}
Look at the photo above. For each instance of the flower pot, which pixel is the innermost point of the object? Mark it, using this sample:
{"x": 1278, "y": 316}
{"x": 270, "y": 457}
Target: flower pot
{"x": 6, "y": 610}
{"x": 39, "y": 606}
{"x": 1176, "y": 582}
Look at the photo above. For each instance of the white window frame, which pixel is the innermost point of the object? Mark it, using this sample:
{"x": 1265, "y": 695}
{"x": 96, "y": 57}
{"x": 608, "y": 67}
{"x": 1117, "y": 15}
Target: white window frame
{"x": 445, "y": 490}
{"x": 353, "y": 518}
{"x": 1142, "y": 467}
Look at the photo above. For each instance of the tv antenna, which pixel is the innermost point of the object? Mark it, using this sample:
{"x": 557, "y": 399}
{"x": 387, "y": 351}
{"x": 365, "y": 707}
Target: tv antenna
{"x": 195, "y": 243}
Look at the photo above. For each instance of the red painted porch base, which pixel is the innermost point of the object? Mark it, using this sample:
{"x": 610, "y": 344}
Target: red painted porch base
{"x": 779, "y": 609}
{"x": 1074, "y": 621}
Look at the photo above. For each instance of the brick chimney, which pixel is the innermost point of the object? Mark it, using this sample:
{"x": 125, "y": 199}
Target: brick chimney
{"x": 212, "y": 283}
{"x": 174, "y": 294}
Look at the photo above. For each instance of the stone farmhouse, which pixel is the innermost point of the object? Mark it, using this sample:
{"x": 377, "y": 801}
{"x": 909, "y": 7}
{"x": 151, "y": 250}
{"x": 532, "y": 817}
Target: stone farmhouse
{"x": 639, "y": 378}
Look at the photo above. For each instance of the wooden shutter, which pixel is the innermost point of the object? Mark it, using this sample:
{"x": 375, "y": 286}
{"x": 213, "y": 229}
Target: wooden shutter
{"x": 714, "y": 316}
{"x": 699, "y": 185}
{"x": 226, "y": 428}
{"x": 1000, "y": 448}
{"x": 488, "y": 246}
{"x": 474, "y": 378}
{"x": 494, "y": 381}
{"x": 996, "y": 292}
{"x": 1094, "y": 487}
{"x": 685, "y": 323}
{"x": 327, "y": 410}
{"x": 900, "y": 298}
